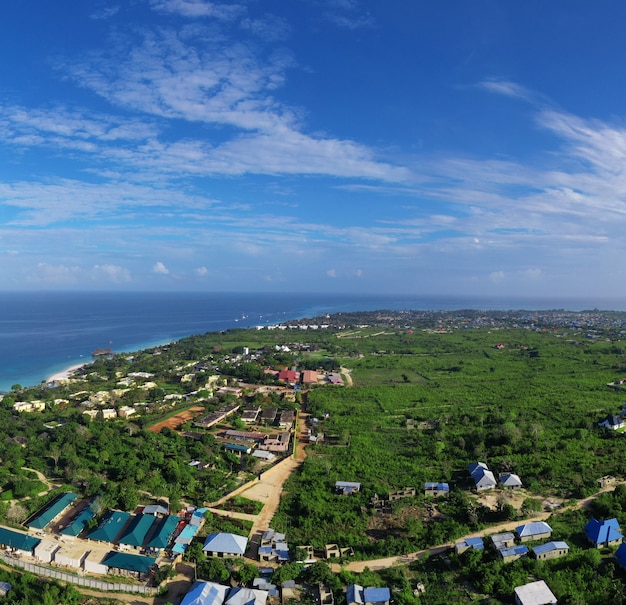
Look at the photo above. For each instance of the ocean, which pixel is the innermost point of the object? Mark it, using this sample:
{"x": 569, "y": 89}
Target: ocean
{"x": 42, "y": 333}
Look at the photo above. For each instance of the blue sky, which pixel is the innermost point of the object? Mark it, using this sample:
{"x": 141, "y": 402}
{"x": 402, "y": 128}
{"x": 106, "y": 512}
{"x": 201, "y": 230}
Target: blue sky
{"x": 406, "y": 146}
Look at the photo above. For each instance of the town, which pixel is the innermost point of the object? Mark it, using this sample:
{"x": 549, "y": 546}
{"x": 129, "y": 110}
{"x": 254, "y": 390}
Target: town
{"x": 345, "y": 459}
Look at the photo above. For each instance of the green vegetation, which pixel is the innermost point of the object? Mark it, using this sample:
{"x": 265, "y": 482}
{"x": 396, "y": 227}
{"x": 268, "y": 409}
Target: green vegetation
{"x": 522, "y": 392}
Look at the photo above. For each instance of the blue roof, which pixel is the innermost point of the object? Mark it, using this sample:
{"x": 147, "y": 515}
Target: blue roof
{"x": 184, "y": 538}
{"x": 18, "y": 540}
{"x": 79, "y": 523}
{"x": 52, "y": 511}
{"x": 620, "y": 554}
{"x": 533, "y": 529}
{"x": 550, "y": 546}
{"x": 442, "y": 487}
{"x": 205, "y": 593}
{"x": 109, "y": 527}
{"x": 475, "y": 543}
{"x": 122, "y": 560}
{"x": 376, "y": 595}
{"x": 354, "y": 593}
{"x": 601, "y": 532}
{"x": 513, "y": 551}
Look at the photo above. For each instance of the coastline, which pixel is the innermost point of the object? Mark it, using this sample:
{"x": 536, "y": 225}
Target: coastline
{"x": 66, "y": 373}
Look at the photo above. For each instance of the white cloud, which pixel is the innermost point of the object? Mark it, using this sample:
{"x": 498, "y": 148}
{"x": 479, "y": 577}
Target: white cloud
{"x": 111, "y": 273}
{"x": 202, "y": 271}
{"x": 497, "y": 276}
{"x": 160, "y": 268}
{"x": 105, "y": 13}
{"x": 200, "y": 8}
{"x": 507, "y": 88}
{"x": 54, "y": 275}
{"x": 270, "y": 28}
{"x": 332, "y": 273}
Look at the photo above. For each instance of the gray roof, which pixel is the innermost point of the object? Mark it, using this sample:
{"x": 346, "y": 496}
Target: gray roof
{"x": 226, "y": 543}
{"x": 535, "y": 593}
{"x": 550, "y": 546}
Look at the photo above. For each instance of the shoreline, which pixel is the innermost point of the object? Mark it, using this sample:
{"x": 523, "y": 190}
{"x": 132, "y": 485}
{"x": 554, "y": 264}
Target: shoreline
{"x": 66, "y": 373}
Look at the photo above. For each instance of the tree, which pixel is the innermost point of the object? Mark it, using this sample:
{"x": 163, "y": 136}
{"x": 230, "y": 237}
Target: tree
{"x": 214, "y": 570}
{"x": 246, "y": 572}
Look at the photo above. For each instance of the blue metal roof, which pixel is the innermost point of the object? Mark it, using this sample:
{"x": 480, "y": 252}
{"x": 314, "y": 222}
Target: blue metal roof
{"x": 550, "y": 546}
{"x": 475, "y": 543}
{"x": 533, "y": 529}
{"x": 620, "y": 554}
{"x": 513, "y": 551}
{"x": 376, "y": 595}
{"x": 442, "y": 487}
{"x": 601, "y": 532}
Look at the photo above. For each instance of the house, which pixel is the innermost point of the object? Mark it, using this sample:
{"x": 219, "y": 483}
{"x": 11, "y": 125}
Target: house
{"x": 250, "y": 415}
{"x": 4, "y": 588}
{"x": 347, "y": 488}
{"x": 376, "y": 596}
{"x": 287, "y": 419}
{"x": 357, "y": 595}
{"x": 310, "y": 377}
{"x": 277, "y": 442}
{"x": 469, "y": 544}
{"x": 620, "y": 555}
{"x": 210, "y": 593}
{"x": 268, "y": 416}
{"x": 290, "y": 376}
{"x": 325, "y": 595}
{"x": 513, "y": 553}
{"x": 612, "y": 422}
{"x": 535, "y": 593}
{"x": 288, "y": 591}
{"x": 273, "y": 547}
{"x": 503, "y": 540}
{"x": 332, "y": 551}
{"x": 436, "y": 490}
{"x": 603, "y": 533}
{"x": 551, "y": 550}
{"x": 483, "y": 478}
{"x": 510, "y": 480}
{"x": 225, "y": 545}
{"x": 537, "y": 530}
{"x": 246, "y": 596}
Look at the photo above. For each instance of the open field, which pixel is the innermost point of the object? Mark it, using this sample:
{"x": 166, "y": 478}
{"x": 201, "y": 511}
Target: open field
{"x": 173, "y": 422}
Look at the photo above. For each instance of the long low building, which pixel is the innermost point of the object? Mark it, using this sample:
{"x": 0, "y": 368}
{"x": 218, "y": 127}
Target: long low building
{"x": 51, "y": 511}
{"x": 17, "y": 541}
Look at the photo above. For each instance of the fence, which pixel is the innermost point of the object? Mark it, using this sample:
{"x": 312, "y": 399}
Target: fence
{"x": 64, "y": 576}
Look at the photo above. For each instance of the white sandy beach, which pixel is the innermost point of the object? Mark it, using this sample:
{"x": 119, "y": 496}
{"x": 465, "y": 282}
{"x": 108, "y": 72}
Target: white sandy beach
{"x": 65, "y": 374}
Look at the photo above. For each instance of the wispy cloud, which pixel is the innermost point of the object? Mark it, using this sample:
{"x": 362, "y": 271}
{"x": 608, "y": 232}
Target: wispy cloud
{"x": 200, "y": 8}
{"x": 105, "y": 13}
{"x": 348, "y": 14}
